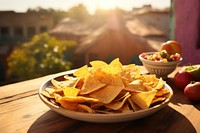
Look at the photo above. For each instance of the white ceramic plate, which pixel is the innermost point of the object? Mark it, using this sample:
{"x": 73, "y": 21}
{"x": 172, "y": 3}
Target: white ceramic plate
{"x": 102, "y": 118}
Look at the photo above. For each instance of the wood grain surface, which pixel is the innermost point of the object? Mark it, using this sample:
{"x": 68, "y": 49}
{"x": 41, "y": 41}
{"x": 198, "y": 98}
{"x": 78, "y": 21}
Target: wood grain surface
{"x": 21, "y": 111}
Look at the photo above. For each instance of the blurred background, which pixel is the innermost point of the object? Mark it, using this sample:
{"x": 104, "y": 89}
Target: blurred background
{"x": 41, "y": 37}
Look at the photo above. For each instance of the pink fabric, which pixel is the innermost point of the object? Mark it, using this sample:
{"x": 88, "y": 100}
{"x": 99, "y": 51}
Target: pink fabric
{"x": 187, "y": 21}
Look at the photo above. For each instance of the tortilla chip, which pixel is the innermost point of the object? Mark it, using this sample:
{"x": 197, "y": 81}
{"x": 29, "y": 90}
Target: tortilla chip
{"x": 96, "y": 106}
{"x": 116, "y": 105}
{"x": 97, "y": 64}
{"x": 67, "y": 77}
{"x": 57, "y": 97}
{"x": 134, "y": 106}
{"x": 121, "y": 95}
{"x": 149, "y": 79}
{"x": 91, "y": 84}
{"x": 143, "y": 99}
{"x": 106, "y": 94}
{"x": 126, "y": 108}
{"x": 162, "y": 92}
{"x": 160, "y": 84}
{"x": 116, "y": 63}
{"x": 81, "y": 72}
{"x": 135, "y": 86}
{"x": 79, "y": 99}
{"x": 85, "y": 108}
{"x": 111, "y": 70}
{"x": 68, "y": 105}
{"x": 130, "y": 72}
{"x": 61, "y": 84}
{"x": 157, "y": 99}
{"x": 69, "y": 91}
{"x": 48, "y": 92}
{"x": 79, "y": 83}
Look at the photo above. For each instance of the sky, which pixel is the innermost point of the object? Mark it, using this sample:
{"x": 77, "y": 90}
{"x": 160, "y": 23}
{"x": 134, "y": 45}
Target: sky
{"x": 92, "y": 5}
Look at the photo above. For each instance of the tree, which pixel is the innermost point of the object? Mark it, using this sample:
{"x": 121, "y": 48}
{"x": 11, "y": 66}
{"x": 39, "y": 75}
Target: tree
{"x": 56, "y": 14}
{"x": 79, "y": 13}
{"x": 41, "y": 56}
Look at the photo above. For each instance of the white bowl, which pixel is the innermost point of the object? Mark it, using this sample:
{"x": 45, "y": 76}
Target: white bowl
{"x": 160, "y": 69}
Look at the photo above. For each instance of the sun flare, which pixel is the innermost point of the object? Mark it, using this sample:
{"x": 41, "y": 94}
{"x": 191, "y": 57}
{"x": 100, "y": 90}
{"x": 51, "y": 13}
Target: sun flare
{"x": 106, "y": 4}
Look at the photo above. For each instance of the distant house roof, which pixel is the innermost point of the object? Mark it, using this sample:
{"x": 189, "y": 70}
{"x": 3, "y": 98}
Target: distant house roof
{"x": 103, "y": 31}
{"x": 25, "y": 18}
{"x": 90, "y": 40}
{"x": 71, "y": 26}
{"x": 136, "y": 26}
{"x": 116, "y": 24}
{"x": 147, "y": 9}
{"x": 114, "y": 39}
{"x": 147, "y": 21}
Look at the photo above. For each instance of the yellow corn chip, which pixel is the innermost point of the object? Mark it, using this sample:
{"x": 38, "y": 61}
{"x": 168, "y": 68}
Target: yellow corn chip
{"x": 57, "y": 97}
{"x": 134, "y": 106}
{"x": 106, "y": 94}
{"x": 69, "y": 91}
{"x": 91, "y": 84}
{"x": 160, "y": 84}
{"x": 136, "y": 86}
{"x": 48, "y": 92}
{"x": 125, "y": 108}
{"x": 85, "y": 108}
{"x": 130, "y": 72}
{"x": 116, "y": 63}
{"x": 81, "y": 72}
{"x": 111, "y": 70}
{"x": 113, "y": 80}
{"x": 158, "y": 99}
{"x": 143, "y": 99}
{"x": 79, "y": 99}
{"x": 68, "y": 105}
{"x": 98, "y": 63}
{"x": 115, "y": 105}
{"x": 162, "y": 92}
{"x": 61, "y": 84}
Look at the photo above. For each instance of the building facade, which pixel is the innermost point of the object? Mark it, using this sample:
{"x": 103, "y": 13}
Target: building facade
{"x": 16, "y": 28}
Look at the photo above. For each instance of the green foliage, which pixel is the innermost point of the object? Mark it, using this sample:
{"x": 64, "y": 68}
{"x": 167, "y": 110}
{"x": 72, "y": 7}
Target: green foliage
{"x": 41, "y": 56}
{"x": 56, "y": 14}
{"x": 79, "y": 13}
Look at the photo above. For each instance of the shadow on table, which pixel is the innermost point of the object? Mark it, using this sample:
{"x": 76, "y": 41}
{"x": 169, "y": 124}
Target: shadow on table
{"x": 50, "y": 122}
{"x": 165, "y": 120}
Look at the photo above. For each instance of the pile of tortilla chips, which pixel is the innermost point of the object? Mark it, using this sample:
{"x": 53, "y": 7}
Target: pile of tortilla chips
{"x": 107, "y": 88}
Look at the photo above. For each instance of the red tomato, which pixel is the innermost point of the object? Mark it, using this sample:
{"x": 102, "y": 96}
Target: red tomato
{"x": 172, "y": 47}
{"x": 192, "y": 91}
{"x": 182, "y": 79}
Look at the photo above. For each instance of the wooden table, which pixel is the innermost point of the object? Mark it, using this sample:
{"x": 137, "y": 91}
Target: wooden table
{"x": 21, "y": 110}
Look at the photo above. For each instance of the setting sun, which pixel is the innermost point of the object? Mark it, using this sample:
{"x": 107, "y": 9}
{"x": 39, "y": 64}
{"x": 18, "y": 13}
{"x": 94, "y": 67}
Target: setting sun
{"x": 105, "y": 4}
